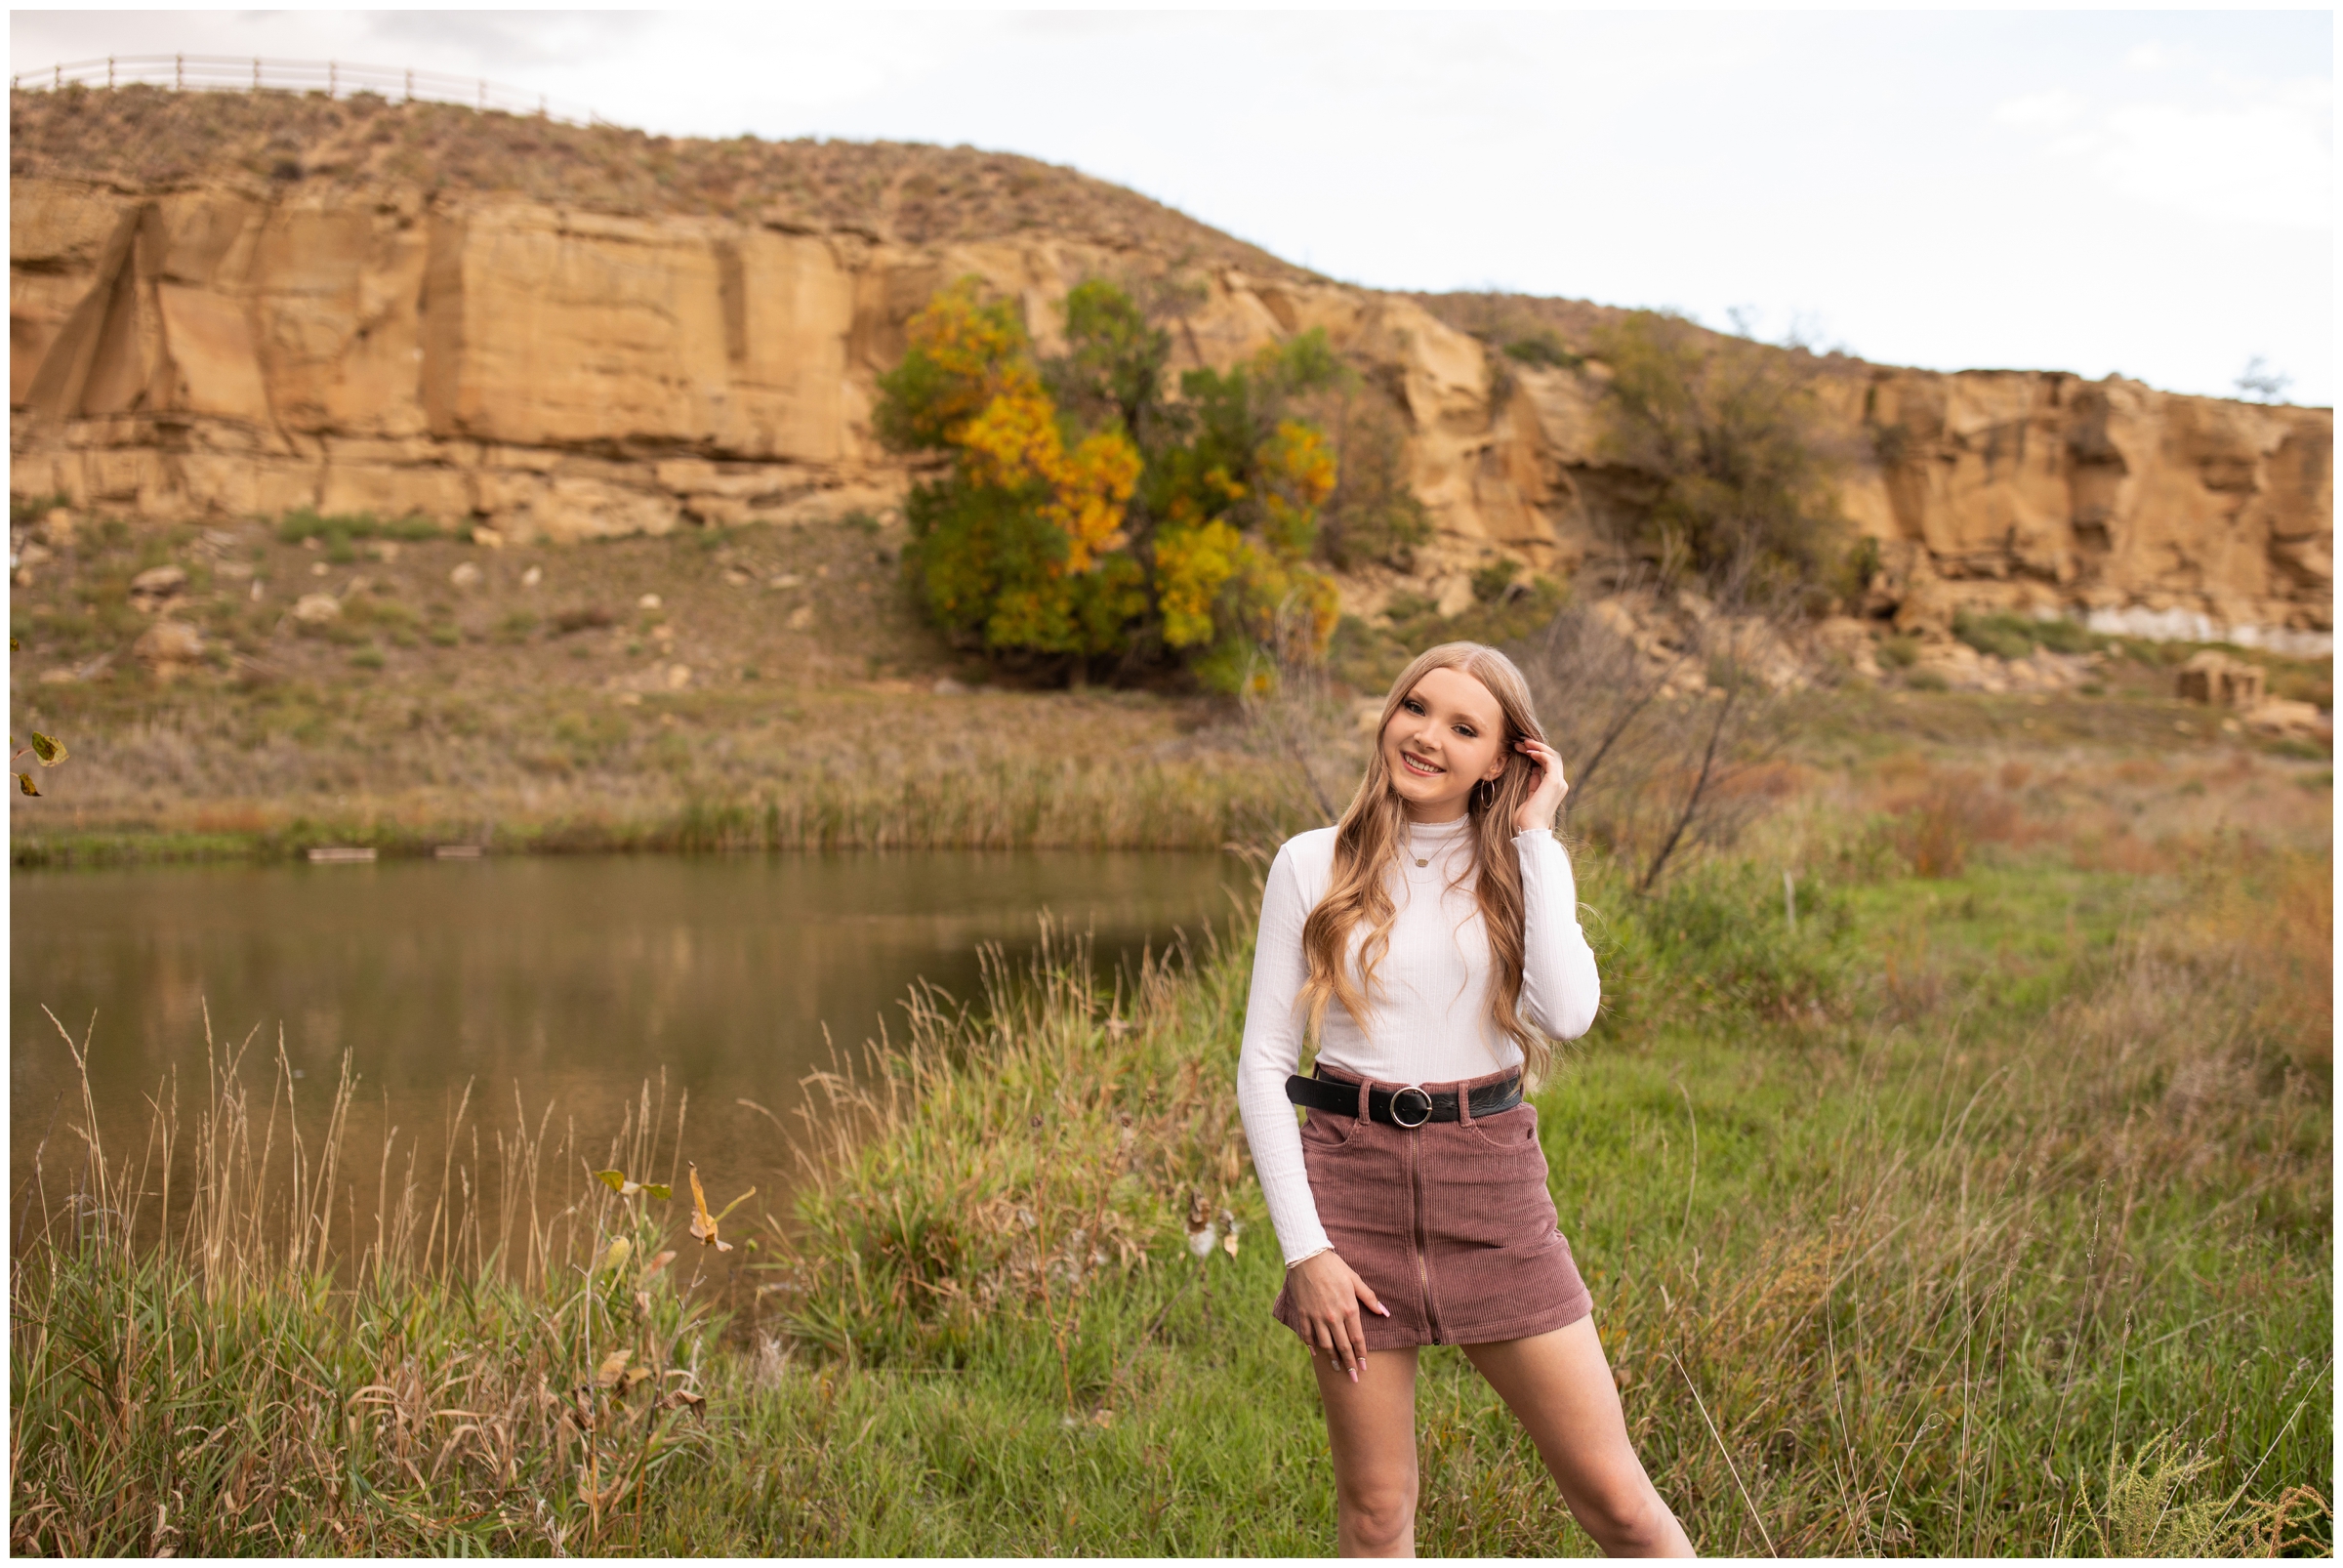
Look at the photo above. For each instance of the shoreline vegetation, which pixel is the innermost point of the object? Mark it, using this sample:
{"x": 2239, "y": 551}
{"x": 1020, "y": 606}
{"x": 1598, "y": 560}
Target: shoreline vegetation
{"x": 342, "y": 681}
{"x": 1973, "y": 1198}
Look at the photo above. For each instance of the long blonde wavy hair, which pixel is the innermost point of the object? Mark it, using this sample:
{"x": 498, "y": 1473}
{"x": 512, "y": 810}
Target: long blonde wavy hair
{"x": 1367, "y": 843}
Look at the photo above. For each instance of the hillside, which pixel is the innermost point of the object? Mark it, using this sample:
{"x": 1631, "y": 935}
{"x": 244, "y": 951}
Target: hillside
{"x": 229, "y": 304}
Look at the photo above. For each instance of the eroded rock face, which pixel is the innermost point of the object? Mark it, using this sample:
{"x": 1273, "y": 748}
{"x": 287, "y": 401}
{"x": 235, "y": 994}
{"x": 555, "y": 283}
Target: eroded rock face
{"x": 224, "y": 343}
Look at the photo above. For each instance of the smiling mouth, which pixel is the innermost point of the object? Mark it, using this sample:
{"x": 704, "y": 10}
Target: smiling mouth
{"x": 1419, "y": 766}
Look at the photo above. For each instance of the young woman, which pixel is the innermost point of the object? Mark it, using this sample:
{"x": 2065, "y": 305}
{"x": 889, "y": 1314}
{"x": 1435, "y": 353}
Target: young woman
{"x": 1429, "y": 944}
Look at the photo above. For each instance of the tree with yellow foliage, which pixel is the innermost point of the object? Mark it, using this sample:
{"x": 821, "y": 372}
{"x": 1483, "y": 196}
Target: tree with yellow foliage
{"x": 1087, "y": 515}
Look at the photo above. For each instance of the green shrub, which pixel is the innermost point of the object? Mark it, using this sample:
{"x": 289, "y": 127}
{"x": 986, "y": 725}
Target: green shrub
{"x": 1543, "y": 348}
{"x": 2064, "y": 636}
{"x": 1715, "y": 941}
{"x": 2004, "y": 637}
{"x": 1373, "y": 515}
{"x": 338, "y": 530}
{"x": 1087, "y": 515}
{"x": 1732, "y": 432}
{"x": 1490, "y": 582}
{"x": 1899, "y": 651}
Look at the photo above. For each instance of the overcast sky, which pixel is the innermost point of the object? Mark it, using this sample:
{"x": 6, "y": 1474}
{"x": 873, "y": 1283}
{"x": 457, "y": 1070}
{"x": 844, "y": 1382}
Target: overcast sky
{"x": 2148, "y": 192}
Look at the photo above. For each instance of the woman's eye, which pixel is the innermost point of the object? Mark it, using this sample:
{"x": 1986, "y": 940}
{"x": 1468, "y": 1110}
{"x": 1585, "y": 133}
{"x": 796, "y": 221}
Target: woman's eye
{"x": 1466, "y": 730}
{"x": 1411, "y": 705}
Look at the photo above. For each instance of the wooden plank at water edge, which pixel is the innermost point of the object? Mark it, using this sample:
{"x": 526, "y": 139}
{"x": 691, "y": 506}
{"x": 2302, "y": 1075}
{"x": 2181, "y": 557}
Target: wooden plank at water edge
{"x": 338, "y": 853}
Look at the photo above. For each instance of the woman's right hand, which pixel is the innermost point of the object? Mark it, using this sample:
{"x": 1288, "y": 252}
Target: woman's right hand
{"x": 1326, "y": 1295}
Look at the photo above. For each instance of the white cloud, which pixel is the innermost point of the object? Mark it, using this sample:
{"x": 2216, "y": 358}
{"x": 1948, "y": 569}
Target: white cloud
{"x": 2255, "y": 152}
{"x": 2052, "y": 110}
{"x": 2270, "y": 162}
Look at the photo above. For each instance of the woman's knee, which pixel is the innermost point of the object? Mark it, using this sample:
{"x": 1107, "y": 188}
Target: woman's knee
{"x": 1380, "y": 1511}
{"x": 1627, "y": 1516}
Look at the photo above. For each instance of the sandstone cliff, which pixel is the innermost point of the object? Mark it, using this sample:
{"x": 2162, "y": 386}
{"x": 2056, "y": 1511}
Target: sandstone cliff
{"x": 229, "y": 304}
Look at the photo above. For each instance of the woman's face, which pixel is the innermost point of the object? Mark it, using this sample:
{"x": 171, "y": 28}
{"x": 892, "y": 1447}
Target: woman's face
{"x": 1447, "y": 735}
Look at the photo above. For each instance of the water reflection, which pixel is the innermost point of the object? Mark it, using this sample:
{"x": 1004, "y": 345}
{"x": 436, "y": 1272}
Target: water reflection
{"x": 575, "y": 979}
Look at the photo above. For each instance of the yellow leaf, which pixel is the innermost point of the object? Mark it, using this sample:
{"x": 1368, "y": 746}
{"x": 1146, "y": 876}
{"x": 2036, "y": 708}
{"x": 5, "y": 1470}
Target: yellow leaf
{"x": 613, "y": 1367}
{"x": 703, "y": 1224}
{"x": 24, "y": 783}
{"x": 616, "y": 1253}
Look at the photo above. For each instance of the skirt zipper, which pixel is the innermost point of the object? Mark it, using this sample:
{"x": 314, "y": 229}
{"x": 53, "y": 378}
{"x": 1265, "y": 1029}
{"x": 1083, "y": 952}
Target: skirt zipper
{"x": 1423, "y": 1267}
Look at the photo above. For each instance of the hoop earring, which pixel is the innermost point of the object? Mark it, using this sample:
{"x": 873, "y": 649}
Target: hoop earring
{"x": 1484, "y": 794}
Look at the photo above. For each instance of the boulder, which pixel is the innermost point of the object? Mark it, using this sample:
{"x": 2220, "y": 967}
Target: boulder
{"x": 2214, "y": 677}
{"x": 156, "y": 587}
{"x": 2288, "y": 719}
{"x": 168, "y": 646}
{"x": 316, "y": 609}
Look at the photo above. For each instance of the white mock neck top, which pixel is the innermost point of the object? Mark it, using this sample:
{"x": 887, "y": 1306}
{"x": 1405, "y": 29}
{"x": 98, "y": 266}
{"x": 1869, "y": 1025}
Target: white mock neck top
{"x": 1428, "y": 1015}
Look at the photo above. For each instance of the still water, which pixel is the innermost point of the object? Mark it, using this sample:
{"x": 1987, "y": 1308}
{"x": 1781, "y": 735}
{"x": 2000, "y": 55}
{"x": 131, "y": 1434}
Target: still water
{"x": 574, "y": 980}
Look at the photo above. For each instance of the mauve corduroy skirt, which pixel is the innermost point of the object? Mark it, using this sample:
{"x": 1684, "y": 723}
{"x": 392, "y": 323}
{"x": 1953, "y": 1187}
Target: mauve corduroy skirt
{"x": 1449, "y": 1223}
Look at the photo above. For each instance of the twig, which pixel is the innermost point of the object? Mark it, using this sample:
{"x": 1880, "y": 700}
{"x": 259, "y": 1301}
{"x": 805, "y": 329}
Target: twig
{"x": 1730, "y": 1467}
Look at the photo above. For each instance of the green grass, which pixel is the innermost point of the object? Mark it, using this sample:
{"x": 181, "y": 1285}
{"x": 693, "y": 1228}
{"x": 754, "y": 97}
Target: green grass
{"x": 341, "y": 527}
{"x": 1986, "y": 1214}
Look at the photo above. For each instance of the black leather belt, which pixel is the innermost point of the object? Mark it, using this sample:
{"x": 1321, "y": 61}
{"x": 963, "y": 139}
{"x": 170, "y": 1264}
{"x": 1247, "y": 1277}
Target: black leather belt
{"x": 1404, "y": 1106}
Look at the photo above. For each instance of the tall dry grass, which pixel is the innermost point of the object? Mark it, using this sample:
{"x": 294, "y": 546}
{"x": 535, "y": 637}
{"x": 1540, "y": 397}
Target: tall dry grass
{"x": 215, "y": 1349}
{"x": 2034, "y": 1260}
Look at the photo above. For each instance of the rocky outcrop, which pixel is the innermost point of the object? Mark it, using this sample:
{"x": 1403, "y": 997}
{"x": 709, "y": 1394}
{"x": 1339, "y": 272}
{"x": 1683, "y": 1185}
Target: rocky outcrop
{"x": 317, "y": 323}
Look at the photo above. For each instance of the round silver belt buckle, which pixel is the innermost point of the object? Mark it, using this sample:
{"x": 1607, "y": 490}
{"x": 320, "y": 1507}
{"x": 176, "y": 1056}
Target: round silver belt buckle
{"x": 1400, "y": 1096}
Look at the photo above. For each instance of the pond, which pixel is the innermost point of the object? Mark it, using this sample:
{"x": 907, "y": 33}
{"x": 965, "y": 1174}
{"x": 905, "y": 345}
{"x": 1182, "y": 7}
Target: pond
{"x": 573, "y": 981}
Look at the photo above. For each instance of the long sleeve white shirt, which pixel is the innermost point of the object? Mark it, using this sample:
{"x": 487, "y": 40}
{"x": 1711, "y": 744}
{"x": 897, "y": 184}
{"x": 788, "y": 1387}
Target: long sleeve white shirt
{"x": 1427, "y": 1016}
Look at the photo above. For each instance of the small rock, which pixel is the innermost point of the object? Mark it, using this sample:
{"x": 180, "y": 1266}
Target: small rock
{"x": 800, "y": 618}
{"x": 168, "y": 642}
{"x": 532, "y": 577}
{"x": 785, "y": 580}
{"x": 58, "y": 677}
{"x": 487, "y": 537}
{"x": 2278, "y": 715}
{"x": 59, "y": 526}
{"x": 465, "y": 575}
{"x": 317, "y": 569}
{"x": 236, "y": 571}
{"x": 679, "y": 676}
{"x": 316, "y": 609}
{"x": 648, "y": 602}
{"x": 736, "y": 578}
{"x": 948, "y": 688}
{"x": 387, "y": 551}
{"x": 152, "y": 588}
{"x": 630, "y": 699}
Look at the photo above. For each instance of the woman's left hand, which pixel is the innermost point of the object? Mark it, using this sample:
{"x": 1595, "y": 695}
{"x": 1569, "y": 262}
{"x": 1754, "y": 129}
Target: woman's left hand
{"x": 1546, "y": 792}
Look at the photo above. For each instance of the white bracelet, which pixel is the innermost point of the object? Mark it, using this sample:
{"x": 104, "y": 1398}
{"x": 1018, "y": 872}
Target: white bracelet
{"x": 1306, "y": 1256}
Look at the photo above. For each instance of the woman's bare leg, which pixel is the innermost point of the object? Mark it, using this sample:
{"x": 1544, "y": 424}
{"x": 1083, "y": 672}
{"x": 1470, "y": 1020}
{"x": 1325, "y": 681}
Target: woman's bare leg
{"x": 1560, "y": 1387}
{"x": 1371, "y": 1425}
